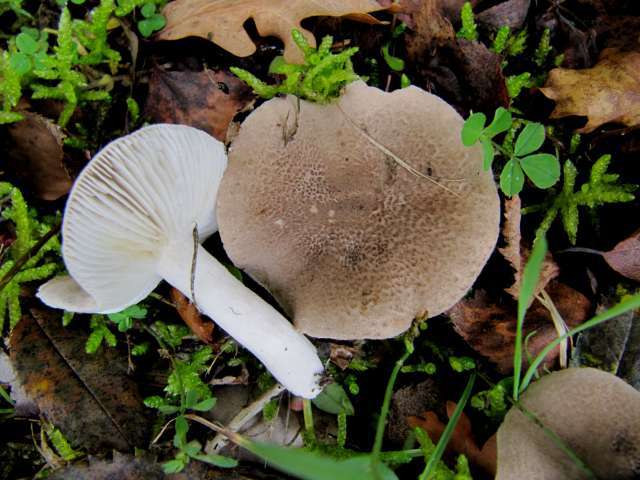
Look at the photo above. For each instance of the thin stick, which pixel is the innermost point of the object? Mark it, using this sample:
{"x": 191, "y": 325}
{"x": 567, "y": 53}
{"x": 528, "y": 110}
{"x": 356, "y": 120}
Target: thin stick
{"x": 397, "y": 159}
{"x": 243, "y": 417}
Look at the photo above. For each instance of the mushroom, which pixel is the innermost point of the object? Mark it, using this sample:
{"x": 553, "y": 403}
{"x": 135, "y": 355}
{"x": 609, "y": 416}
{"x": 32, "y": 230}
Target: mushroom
{"x": 131, "y": 220}
{"x": 361, "y": 214}
{"x": 595, "y": 413}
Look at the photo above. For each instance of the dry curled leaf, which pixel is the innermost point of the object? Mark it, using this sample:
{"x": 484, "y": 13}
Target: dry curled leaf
{"x": 625, "y": 257}
{"x": 35, "y": 154}
{"x": 90, "y": 398}
{"x": 461, "y": 440}
{"x": 608, "y": 92}
{"x": 491, "y": 328}
{"x": 517, "y": 255}
{"x": 207, "y": 100}
{"x": 202, "y": 328}
{"x": 222, "y": 21}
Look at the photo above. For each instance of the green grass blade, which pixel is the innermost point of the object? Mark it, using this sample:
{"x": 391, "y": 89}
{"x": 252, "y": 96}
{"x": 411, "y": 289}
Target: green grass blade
{"x": 527, "y": 289}
{"x": 448, "y": 431}
{"x": 631, "y": 303}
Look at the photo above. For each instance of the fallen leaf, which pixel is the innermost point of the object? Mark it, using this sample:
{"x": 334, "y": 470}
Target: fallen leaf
{"x": 341, "y": 355}
{"x": 207, "y": 100}
{"x": 625, "y": 257}
{"x": 411, "y": 401}
{"x": 430, "y": 29}
{"x": 613, "y": 346}
{"x": 517, "y": 255}
{"x": 222, "y": 21}
{"x": 490, "y": 329}
{"x": 608, "y": 92}
{"x": 203, "y": 329}
{"x": 461, "y": 440}
{"x": 35, "y": 154}
{"x": 89, "y": 398}
{"x": 460, "y": 71}
{"x": 511, "y": 13}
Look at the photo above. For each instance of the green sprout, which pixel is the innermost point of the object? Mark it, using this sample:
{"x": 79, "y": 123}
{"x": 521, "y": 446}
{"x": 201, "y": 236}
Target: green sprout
{"x": 469, "y": 29}
{"x": 543, "y": 169}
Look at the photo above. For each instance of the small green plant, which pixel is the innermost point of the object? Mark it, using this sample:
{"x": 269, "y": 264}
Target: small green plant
{"x": 494, "y": 401}
{"x": 100, "y": 331}
{"x": 501, "y": 39}
{"x": 59, "y": 442}
{"x": 319, "y": 79}
{"x": 15, "y": 6}
{"x": 516, "y": 83}
{"x": 73, "y": 69}
{"x": 28, "y": 232}
{"x": 542, "y": 169}
{"x": 152, "y": 22}
{"x": 396, "y": 64}
{"x": 601, "y": 188}
{"x": 469, "y": 29}
{"x": 185, "y": 391}
{"x": 544, "y": 48}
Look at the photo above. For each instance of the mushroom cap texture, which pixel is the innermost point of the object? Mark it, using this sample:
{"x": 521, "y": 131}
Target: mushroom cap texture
{"x": 596, "y": 413}
{"x": 138, "y": 194}
{"x": 350, "y": 243}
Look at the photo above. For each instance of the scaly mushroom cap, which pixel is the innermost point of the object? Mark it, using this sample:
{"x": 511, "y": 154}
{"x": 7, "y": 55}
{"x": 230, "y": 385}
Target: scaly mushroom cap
{"x": 595, "y": 413}
{"x": 351, "y": 243}
{"x": 139, "y": 193}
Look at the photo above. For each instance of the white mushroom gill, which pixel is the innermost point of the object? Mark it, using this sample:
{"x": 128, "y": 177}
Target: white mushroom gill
{"x": 129, "y": 223}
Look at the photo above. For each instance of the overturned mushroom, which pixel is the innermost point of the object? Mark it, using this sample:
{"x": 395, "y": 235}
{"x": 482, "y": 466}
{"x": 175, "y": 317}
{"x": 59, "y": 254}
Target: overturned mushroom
{"x": 358, "y": 215}
{"x": 595, "y": 413}
{"x": 131, "y": 221}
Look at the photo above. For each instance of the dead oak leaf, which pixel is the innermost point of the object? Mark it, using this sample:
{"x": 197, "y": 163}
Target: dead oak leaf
{"x": 207, "y": 100}
{"x": 490, "y": 329}
{"x": 461, "y": 440}
{"x": 608, "y": 92}
{"x": 222, "y": 21}
{"x": 625, "y": 257}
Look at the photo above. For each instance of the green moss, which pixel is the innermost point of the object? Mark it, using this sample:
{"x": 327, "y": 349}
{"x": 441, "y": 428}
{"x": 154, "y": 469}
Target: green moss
{"x": 319, "y": 79}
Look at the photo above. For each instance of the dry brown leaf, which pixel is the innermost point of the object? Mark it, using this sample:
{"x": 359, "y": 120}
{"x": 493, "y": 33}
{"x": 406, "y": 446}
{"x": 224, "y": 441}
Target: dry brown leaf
{"x": 608, "y": 92}
{"x": 625, "y": 257}
{"x": 207, "y": 100}
{"x": 202, "y": 328}
{"x": 461, "y": 440}
{"x": 490, "y": 329}
{"x": 222, "y": 21}
{"x": 36, "y": 155}
{"x": 90, "y": 398}
{"x": 341, "y": 355}
{"x": 511, "y": 13}
{"x": 517, "y": 255}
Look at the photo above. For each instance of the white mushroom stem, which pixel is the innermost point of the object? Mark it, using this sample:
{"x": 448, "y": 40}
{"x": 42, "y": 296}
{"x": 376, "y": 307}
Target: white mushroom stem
{"x": 253, "y": 323}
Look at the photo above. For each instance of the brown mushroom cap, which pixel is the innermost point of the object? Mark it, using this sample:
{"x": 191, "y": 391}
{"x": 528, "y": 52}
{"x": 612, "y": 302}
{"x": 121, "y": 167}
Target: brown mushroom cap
{"x": 595, "y": 413}
{"x": 352, "y": 244}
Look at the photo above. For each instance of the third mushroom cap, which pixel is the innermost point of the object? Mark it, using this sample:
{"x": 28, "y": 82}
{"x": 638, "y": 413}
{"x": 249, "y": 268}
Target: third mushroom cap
{"x": 359, "y": 215}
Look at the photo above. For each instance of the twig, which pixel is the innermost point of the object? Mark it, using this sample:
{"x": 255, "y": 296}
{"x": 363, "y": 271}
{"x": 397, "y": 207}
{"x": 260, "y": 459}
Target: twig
{"x": 243, "y": 417}
{"x": 396, "y": 158}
